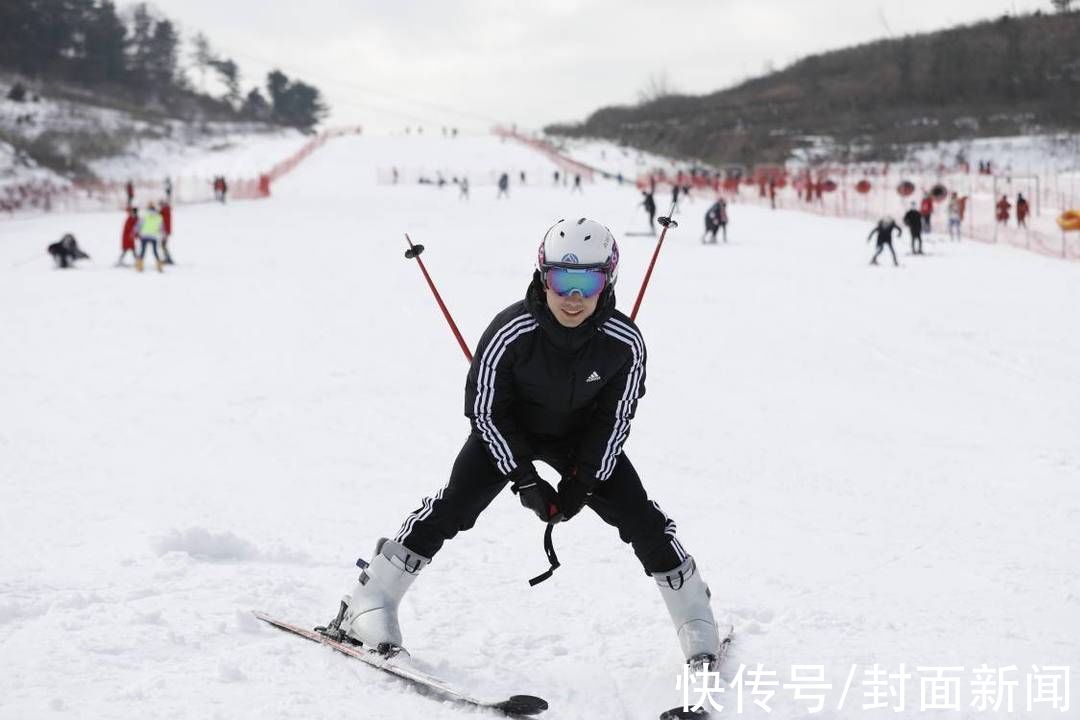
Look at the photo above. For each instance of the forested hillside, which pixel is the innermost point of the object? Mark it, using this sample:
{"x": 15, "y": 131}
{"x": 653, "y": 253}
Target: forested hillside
{"x": 1010, "y": 76}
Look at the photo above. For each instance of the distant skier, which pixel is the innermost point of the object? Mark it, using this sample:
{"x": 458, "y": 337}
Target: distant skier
{"x": 151, "y": 228}
{"x": 1003, "y": 206}
{"x": 129, "y": 191}
{"x": 556, "y": 377}
{"x": 168, "y": 189}
{"x": 650, "y": 208}
{"x": 1022, "y": 210}
{"x": 504, "y": 186}
{"x": 463, "y": 187}
{"x": 166, "y": 231}
{"x": 956, "y": 216}
{"x": 884, "y": 232}
{"x": 128, "y": 235}
{"x": 220, "y": 189}
{"x": 522, "y": 176}
{"x": 926, "y": 210}
{"x": 914, "y": 221}
{"x": 66, "y": 251}
{"x": 715, "y": 221}
{"x": 556, "y": 175}
{"x": 675, "y": 190}
{"x": 577, "y": 184}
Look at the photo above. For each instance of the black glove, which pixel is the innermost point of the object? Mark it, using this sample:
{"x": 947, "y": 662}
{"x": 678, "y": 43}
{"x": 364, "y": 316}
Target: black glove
{"x": 573, "y": 494}
{"x": 535, "y": 493}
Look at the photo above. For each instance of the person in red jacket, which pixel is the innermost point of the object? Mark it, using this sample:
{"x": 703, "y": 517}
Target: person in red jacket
{"x": 1003, "y": 207}
{"x": 166, "y": 226}
{"x": 127, "y": 235}
{"x": 926, "y": 209}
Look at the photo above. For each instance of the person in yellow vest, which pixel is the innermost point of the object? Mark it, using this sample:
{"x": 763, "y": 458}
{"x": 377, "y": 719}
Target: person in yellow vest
{"x": 151, "y": 228}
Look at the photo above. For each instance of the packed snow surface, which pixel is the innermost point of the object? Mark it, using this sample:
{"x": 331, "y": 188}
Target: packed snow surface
{"x": 870, "y": 464}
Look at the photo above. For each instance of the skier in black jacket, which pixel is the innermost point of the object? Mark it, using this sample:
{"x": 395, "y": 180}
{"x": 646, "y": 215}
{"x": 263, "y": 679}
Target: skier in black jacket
{"x": 914, "y": 221}
{"x": 66, "y": 251}
{"x": 556, "y": 377}
{"x": 650, "y": 207}
{"x": 884, "y": 232}
{"x": 715, "y": 221}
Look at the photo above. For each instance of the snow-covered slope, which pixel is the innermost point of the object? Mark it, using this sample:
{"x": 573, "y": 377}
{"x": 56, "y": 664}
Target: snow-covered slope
{"x": 872, "y": 465}
{"x": 118, "y": 146}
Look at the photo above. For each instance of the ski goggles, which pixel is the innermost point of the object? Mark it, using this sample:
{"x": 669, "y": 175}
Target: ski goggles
{"x": 586, "y": 282}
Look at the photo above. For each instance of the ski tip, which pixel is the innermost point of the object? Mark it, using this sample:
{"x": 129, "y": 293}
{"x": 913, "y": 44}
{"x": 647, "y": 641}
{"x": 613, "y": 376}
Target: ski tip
{"x": 523, "y": 705}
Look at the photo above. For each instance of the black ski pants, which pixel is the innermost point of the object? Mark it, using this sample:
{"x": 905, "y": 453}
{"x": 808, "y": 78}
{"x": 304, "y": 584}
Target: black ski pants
{"x": 620, "y": 501}
{"x": 881, "y": 246}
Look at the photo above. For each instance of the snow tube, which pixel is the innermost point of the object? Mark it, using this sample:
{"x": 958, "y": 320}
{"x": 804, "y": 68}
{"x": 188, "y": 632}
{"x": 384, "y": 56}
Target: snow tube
{"x": 1069, "y": 220}
{"x": 862, "y": 187}
{"x": 905, "y": 188}
{"x": 938, "y": 192}
{"x": 828, "y": 186}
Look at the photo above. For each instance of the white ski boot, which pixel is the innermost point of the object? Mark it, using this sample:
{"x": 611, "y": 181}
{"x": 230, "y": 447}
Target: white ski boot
{"x": 687, "y": 598}
{"x": 368, "y": 615}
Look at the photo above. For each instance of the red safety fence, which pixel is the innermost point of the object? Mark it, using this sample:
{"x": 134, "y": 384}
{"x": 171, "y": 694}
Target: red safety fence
{"x": 872, "y": 191}
{"x": 564, "y": 162}
{"x": 46, "y": 196}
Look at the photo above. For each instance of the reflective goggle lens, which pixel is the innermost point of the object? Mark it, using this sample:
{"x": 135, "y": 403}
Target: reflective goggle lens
{"x": 586, "y": 282}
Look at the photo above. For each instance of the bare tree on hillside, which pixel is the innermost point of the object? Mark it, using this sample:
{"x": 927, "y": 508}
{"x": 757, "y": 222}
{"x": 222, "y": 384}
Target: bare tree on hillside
{"x": 658, "y": 86}
{"x": 1061, "y": 5}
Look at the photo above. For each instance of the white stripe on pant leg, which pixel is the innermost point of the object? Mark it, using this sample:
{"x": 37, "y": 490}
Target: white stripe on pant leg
{"x": 679, "y": 550}
{"x": 669, "y": 530}
{"x": 427, "y": 509}
{"x": 427, "y": 506}
{"x": 406, "y": 527}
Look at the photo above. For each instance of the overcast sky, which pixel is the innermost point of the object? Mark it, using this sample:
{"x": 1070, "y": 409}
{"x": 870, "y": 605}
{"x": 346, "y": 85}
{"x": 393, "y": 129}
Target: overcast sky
{"x": 388, "y": 63}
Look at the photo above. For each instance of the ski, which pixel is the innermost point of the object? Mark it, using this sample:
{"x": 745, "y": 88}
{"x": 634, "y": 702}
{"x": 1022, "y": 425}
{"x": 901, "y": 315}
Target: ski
{"x": 684, "y": 713}
{"x": 514, "y": 706}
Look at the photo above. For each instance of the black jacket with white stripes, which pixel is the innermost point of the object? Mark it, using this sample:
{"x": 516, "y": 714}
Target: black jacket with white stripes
{"x": 535, "y": 384}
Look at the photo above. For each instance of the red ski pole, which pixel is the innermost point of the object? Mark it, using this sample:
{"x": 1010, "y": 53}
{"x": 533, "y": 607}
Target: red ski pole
{"x": 666, "y": 222}
{"x": 413, "y": 253}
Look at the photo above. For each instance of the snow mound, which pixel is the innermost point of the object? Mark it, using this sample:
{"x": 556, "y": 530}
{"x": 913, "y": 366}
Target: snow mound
{"x": 202, "y": 544}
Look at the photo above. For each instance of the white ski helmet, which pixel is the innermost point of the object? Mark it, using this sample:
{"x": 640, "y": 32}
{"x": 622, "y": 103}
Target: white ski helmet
{"x": 580, "y": 243}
